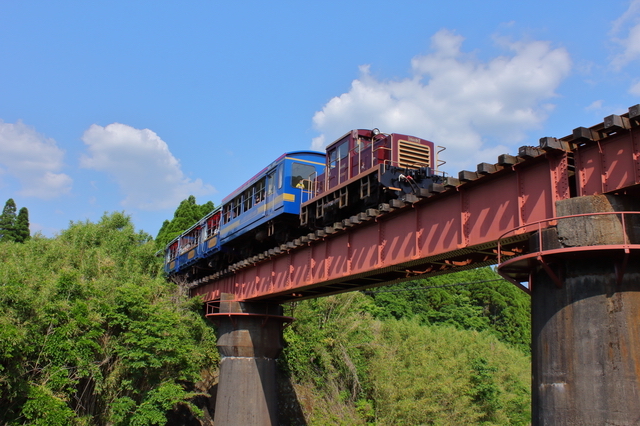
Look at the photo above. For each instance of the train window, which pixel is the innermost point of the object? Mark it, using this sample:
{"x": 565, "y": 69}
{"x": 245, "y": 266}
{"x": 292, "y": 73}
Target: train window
{"x": 337, "y": 154}
{"x": 331, "y": 158}
{"x": 259, "y": 190}
{"x": 271, "y": 182}
{"x": 361, "y": 143}
{"x": 190, "y": 240}
{"x": 301, "y": 175}
{"x": 358, "y": 145}
{"x": 248, "y": 199}
{"x": 280, "y": 176}
{"x": 343, "y": 150}
{"x": 173, "y": 252}
{"x": 226, "y": 213}
{"x": 236, "y": 205}
{"x": 213, "y": 224}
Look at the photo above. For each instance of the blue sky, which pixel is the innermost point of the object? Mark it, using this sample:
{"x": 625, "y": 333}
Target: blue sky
{"x": 134, "y": 105}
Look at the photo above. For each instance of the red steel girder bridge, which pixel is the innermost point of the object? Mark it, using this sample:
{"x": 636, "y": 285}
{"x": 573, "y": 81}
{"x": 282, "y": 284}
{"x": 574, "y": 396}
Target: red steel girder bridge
{"x": 455, "y": 227}
{"x": 583, "y": 272}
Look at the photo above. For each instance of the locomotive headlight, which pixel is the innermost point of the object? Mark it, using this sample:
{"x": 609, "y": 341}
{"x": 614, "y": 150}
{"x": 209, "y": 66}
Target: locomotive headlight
{"x": 375, "y": 131}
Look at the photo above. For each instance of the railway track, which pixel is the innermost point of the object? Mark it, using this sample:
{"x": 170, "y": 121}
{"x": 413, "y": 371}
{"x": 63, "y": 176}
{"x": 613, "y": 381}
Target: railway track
{"x": 449, "y": 184}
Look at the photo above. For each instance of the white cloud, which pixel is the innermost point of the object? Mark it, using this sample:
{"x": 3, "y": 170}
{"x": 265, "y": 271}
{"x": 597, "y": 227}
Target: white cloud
{"x": 629, "y": 26}
{"x": 635, "y": 89}
{"x": 141, "y": 164}
{"x": 595, "y": 106}
{"x": 33, "y": 160}
{"x": 455, "y": 100}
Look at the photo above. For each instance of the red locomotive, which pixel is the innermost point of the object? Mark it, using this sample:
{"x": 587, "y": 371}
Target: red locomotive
{"x": 366, "y": 168}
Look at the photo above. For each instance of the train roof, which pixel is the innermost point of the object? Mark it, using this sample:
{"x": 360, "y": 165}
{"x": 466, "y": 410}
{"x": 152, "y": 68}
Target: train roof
{"x": 258, "y": 175}
{"x": 369, "y": 133}
{"x": 242, "y": 188}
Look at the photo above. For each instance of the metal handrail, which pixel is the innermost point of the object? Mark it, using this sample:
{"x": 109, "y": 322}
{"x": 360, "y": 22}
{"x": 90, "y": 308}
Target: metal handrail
{"x": 539, "y": 227}
{"x": 309, "y": 191}
{"x": 381, "y": 147}
{"x": 439, "y": 162}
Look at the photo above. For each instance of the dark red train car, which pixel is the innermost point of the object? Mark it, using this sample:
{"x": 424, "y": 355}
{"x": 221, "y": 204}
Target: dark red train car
{"x": 365, "y": 168}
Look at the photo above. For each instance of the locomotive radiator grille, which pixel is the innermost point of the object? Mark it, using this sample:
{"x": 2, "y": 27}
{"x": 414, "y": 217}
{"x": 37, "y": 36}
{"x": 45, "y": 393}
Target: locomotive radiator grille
{"x": 413, "y": 155}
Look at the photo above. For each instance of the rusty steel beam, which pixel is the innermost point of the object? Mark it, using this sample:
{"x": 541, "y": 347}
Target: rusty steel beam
{"x": 451, "y": 230}
{"x": 605, "y": 165}
{"x": 607, "y": 155}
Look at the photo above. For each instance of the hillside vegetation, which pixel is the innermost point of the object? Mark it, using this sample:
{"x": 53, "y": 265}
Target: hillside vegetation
{"x": 383, "y": 368}
{"x": 92, "y": 334}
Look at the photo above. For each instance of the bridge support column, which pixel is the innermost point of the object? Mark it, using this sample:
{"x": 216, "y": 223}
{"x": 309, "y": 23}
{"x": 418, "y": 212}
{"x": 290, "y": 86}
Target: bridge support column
{"x": 586, "y": 320}
{"x": 249, "y": 341}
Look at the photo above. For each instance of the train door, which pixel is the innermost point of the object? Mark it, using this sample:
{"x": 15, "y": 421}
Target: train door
{"x": 360, "y": 156}
{"x": 302, "y": 176}
{"x": 271, "y": 190}
{"x": 338, "y": 163}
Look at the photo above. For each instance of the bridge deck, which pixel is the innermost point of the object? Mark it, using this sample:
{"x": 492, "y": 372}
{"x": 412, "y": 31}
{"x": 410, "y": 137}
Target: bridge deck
{"x": 452, "y": 230}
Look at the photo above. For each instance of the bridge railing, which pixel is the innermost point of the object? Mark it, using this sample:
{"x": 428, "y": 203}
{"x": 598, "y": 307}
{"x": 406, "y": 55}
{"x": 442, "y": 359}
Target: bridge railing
{"x": 627, "y": 226}
{"x": 616, "y": 234}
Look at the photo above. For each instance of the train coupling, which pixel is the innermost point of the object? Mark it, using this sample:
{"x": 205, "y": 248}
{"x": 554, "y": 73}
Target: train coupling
{"x": 404, "y": 180}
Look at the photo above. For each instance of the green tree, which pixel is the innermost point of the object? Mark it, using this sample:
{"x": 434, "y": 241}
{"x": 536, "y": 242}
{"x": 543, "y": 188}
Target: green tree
{"x": 353, "y": 369}
{"x": 441, "y": 375}
{"x": 22, "y": 232}
{"x": 187, "y": 214}
{"x": 327, "y": 352}
{"x": 8, "y": 221}
{"x": 474, "y": 300}
{"x": 92, "y": 334}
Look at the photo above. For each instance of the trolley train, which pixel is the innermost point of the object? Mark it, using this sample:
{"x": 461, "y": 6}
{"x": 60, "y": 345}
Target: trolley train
{"x": 303, "y": 191}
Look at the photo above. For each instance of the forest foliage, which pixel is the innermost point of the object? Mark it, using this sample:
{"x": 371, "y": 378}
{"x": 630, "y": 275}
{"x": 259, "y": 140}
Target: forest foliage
{"x": 476, "y": 300}
{"x": 91, "y": 333}
{"x": 449, "y": 351}
{"x": 14, "y": 227}
{"x": 187, "y": 214}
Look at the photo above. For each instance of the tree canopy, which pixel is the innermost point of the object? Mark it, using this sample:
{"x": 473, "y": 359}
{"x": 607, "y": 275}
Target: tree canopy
{"x": 8, "y": 221}
{"x": 187, "y": 214}
{"x": 351, "y": 368}
{"x": 14, "y": 228}
{"x": 22, "y": 226}
{"x": 91, "y": 333}
{"x": 478, "y": 299}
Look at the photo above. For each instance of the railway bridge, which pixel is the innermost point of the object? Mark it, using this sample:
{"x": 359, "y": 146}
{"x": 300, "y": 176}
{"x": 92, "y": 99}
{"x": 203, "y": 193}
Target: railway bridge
{"x": 562, "y": 217}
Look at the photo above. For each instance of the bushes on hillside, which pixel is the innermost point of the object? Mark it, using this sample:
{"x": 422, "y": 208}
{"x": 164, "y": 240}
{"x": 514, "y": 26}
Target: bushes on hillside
{"x": 92, "y": 334}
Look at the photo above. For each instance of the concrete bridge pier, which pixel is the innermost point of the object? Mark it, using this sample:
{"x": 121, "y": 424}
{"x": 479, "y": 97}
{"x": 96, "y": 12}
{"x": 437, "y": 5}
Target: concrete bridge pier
{"x": 249, "y": 341}
{"x": 586, "y": 317}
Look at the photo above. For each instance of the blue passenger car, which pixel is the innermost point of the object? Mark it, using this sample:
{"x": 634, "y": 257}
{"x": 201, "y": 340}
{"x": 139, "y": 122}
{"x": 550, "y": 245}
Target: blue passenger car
{"x": 258, "y": 215}
{"x": 198, "y": 242}
{"x": 278, "y": 189}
